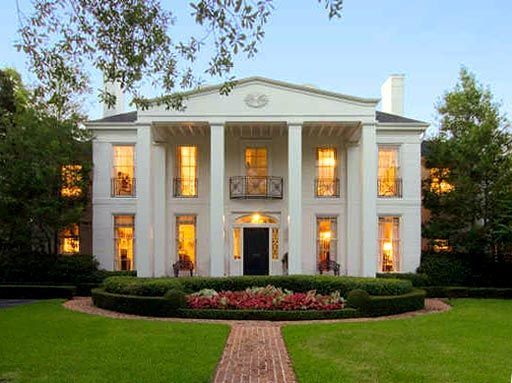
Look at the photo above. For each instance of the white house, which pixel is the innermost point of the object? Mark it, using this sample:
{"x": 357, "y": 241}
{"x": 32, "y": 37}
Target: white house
{"x": 234, "y": 184}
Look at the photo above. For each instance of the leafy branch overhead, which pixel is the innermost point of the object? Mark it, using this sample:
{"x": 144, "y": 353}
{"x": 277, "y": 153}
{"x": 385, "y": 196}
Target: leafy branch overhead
{"x": 131, "y": 41}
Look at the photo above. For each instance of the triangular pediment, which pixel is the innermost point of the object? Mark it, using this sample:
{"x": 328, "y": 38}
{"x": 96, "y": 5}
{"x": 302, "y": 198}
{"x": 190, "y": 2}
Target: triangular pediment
{"x": 257, "y": 96}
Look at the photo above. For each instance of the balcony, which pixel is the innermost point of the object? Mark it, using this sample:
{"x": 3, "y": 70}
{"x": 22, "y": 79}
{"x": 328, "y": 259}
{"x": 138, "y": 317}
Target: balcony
{"x": 389, "y": 187}
{"x": 185, "y": 188}
{"x": 327, "y": 187}
{"x": 255, "y": 187}
{"x": 122, "y": 187}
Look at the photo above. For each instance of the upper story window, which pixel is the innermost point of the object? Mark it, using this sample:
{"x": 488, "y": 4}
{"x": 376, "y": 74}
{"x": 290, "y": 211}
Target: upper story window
{"x": 327, "y": 182}
{"x": 389, "y": 244}
{"x": 256, "y": 167}
{"x": 70, "y": 240}
{"x": 185, "y": 183}
{"x": 71, "y": 178}
{"x": 389, "y": 183}
{"x": 123, "y": 172}
{"x": 438, "y": 183}
{"x": 124, "y": 234}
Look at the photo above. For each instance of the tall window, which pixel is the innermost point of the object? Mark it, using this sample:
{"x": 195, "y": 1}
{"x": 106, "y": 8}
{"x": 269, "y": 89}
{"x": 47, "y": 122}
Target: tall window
{"x": 124, "y": 234}
{"x": 123, "y": 181}
{"x": 186, "y": 238}
{"x": 70, "y": 240}
{"x": 186, "y": 181}
{"x": 327, "y": 183}
{"x": 236, "y": 243}
{"x": 389, "y": 244}
{"x": 326, "y": 237}
{"x": 71, "y": 177}
{"x": 256, "y": 166}
{"x": 389, "y": 182}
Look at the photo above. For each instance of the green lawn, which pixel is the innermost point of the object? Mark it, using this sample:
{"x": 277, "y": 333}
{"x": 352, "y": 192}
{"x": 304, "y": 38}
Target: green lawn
{"x": 43, "y": 342}
{"x": 470, "y": 343}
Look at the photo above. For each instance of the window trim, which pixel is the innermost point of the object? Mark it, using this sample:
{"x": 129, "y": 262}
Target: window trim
{"x": 337, "y": 170}
{"x": 335, "y": 246}
{"x": 177, "y": 170}
{"x": 114, "y": 239}
{"x": 398, "y": 178}
{"x": 400, "y": 242}
{"x": 112, "y": 166}
{"x": 176, "y": 236}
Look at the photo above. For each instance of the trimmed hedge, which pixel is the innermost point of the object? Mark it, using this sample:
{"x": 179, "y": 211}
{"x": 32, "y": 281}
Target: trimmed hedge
{"x": 446, "y": 269}
{"x": 324, "y": 284}
{"x": 390, "y": 305}
{"x": 468, "y": 292}
{"x": 417, "y": 279}
{"x": 161, "y": 307}
{"x": 36, "y": 292}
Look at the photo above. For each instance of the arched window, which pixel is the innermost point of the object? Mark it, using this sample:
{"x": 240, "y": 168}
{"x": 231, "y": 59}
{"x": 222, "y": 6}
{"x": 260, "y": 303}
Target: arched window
{"x": 255, "y": 218}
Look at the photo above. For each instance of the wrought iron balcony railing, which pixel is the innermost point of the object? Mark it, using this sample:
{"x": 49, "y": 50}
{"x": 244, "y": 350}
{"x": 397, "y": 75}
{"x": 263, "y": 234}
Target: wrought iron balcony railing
{"x": 389, "y": 187}
{"x": 123, "y": 187}
{"x": 185, "y": 187}
{"x": 252, "y": 187}
{"x": 327, "y": 187}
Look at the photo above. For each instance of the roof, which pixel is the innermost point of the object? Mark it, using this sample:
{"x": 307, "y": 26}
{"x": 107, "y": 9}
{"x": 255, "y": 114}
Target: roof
{"x": 394, "y": 118}
{"x": 379, "y": 116}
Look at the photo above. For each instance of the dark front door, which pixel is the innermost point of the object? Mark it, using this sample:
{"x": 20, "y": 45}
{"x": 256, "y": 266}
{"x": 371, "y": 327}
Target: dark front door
{"x": 256, "y": 251}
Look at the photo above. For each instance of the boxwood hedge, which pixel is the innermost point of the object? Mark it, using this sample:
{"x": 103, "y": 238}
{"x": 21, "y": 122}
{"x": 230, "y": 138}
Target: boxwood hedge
{"x": 298, "y": 283}
{"x": 161, "y": 307}
{"x": 468, "y": 292}
{"x": 36, "y": 292}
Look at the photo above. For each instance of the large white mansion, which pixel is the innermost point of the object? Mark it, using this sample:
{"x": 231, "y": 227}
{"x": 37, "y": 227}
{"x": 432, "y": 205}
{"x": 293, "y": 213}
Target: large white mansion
{"x": 274, "y": 178}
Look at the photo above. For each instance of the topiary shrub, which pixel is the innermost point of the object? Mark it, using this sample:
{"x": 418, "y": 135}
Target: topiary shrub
{"x": 177, "y": 298}
{"x": 358, "y": 299}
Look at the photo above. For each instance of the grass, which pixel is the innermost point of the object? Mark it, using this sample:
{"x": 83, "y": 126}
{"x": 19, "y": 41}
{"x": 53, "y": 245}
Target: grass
{"x": 43, "y": 342}
{"x": 470, "y": 343}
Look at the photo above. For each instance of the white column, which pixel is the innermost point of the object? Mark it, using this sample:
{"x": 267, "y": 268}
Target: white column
{"x": 144, "y": 261}
{"x": 161, "y": 255}
{"x": 295, "y": 198}
{"x": 353, "y": 216}
{"x": 368, "y": 152}
{"x": 217, "y": 248}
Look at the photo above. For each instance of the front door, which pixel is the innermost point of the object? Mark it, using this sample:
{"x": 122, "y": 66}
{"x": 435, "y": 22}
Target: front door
{"x": 256, "y": 251}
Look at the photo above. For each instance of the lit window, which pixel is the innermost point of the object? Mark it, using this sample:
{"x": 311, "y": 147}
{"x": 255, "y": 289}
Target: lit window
{"x": 186, "y": 238}
{"x": 438, "y": 183}
{"x": 236, "y": 243}
{"x": 123, "y": 182}
{"x": 70, "y": 240}
{"x": 389, "y": 244}
{"x": 326, "y": 241}
{"x": 256, "y": 166}
{"x": 389, "y": 182}
{"x": 186, "y": 181}
{"x": 275, "y": 243}
{"x": 256, "y": 218}
{"x": 124, "y": 230}
{"x": 441, "y": 245}
{"x": 326, "y": 169}
{"x": 71, "y": 177}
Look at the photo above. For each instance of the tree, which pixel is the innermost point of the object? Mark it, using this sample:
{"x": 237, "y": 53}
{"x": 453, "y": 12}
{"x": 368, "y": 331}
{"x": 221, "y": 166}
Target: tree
{"x": 129, "y": 41}
{"x": 34, "y": 150}
{"x": 471, "y": 154}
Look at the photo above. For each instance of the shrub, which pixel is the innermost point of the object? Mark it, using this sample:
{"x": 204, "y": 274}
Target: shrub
{"x": 390, "y": 305}
{"x": 36, "y": 292}
{"x": 417, "y": 279}
{"x": 446, "y": 269}
{"x": 358, "y": 299}
{"x": 468, "y": 292}
{"x": 322, "y": 284}
{"x": 177, "y": 298}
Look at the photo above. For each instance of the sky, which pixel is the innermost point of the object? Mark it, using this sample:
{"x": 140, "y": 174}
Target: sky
{"x": 428, "y": 41}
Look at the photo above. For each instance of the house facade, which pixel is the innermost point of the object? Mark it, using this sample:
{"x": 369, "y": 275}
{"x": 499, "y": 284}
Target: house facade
{"x": 274, "y": 178}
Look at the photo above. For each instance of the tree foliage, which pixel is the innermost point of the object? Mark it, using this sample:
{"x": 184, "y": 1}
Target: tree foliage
{"x": 130, "y": 41}
{"x": 34, "y": 147}
{"x": 471, "y": 154}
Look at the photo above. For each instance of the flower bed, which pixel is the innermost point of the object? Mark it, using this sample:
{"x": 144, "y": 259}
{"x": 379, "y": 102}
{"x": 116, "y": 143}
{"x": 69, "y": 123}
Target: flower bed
{"x": 264, "y": 298}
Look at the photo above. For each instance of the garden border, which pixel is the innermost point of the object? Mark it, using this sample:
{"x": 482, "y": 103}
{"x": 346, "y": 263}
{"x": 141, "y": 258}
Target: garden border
{"x": 160, "y": 307}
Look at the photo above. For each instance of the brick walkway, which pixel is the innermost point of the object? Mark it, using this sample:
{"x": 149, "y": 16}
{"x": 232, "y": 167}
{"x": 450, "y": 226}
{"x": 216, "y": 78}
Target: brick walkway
{"x": 255, "y": 353}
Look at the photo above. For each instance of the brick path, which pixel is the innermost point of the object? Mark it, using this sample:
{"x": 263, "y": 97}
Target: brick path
{"x": 255, "y": 353}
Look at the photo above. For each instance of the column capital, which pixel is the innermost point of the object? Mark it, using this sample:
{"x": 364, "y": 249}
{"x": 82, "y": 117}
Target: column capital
{"x": 295, "y": 124}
